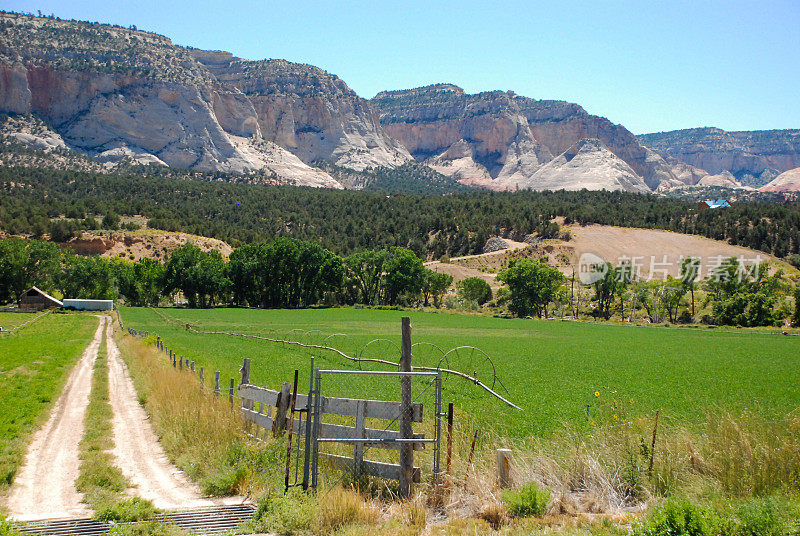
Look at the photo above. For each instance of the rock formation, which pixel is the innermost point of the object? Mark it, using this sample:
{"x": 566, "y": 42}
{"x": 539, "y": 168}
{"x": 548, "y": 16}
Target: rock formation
{"x": 740, "y": 153}
{"x": 587, "y": 164}
{"x": 120, "y": 93}
{"x": 788, "y": 181}
{"x": 500, "y": 140}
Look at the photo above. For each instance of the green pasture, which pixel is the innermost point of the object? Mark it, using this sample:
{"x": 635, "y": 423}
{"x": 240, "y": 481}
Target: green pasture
{"x": 34, "y": 365}
{"x": 10, "y": 321}
{"x": 552, "y": 369}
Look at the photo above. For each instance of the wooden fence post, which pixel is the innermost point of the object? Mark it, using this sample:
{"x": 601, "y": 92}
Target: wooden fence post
{"x": 202, "y": 377}
{"x": 504, "y": 458}
{"x": 449, "y": 435}
{"x": 216, "y": 384}
{"x": 281, "y": 407}
{"x": 358, "y": 448}
{"x": 406, "y": 449}
{"x": 247, "y": 404}
{"x": 192, "y": 366}
{"x": 180, "y": 362}
{"x": 230, "y": 392}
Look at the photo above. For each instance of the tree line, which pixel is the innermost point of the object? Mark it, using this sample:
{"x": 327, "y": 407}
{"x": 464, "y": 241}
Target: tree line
{"x": 283, "y": 273}
{"x": 291, "y": 273}
{"x": 34, "y": 202}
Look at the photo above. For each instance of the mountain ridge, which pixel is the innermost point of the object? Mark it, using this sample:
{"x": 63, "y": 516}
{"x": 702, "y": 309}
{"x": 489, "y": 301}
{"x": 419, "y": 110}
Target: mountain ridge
{"x": 121, "y": 96}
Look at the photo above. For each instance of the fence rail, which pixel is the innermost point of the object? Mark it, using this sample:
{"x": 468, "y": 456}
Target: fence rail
{"x": 301, "y": 415}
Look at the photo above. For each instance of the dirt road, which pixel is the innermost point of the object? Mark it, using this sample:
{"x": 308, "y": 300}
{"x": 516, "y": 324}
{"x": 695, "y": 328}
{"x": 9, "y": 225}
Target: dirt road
{"x": 45, "y": 486}
{"x": 138, "y": 453}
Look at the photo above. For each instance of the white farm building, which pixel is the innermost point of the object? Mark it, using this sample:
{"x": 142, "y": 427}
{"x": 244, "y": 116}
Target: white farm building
{"x": 89, "y": 305}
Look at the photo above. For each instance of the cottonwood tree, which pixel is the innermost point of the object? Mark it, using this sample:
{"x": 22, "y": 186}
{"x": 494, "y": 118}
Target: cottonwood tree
{"x": 25, "y": 263}
{"x": 474, "y": 289}
{"x": 435, "y": 285}
{"x": 533, "y": 285}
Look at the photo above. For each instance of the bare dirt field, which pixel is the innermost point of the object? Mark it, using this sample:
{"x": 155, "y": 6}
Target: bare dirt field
{"x": 650, "y": 251}
{"x": 45, "y": 486}
{"x": 657, "y": 252}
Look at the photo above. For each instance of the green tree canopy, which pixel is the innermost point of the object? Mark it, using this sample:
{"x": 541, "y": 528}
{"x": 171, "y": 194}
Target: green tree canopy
{"x": 533, "y": 285}
{"x": 474, "y": 289}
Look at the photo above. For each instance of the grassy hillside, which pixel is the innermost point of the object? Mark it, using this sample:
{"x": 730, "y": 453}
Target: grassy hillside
{"x": 34, "y": 364}
{"x": 552, "y": 369}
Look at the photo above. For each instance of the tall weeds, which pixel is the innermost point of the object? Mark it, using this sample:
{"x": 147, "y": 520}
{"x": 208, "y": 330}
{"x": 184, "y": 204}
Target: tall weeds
{"x": 201, "y": 434}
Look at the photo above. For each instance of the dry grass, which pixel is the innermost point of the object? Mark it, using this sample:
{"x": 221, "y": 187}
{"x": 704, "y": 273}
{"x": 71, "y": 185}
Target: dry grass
{"x": 201, "y": 434}
{"x": 607, "y": 474}
{"x": 339, "y": 507}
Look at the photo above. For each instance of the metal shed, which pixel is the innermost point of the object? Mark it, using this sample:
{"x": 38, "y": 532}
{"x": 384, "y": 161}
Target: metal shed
{"x": 89, "y": 305}
{"x": 35, "y": 299}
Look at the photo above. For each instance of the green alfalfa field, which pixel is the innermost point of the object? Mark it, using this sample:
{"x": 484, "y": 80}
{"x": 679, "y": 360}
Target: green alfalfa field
{"x": 564, "y": 375}
{"x": 35, "y": 362}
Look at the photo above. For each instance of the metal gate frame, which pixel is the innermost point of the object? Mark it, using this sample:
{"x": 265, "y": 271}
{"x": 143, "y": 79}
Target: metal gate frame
{"x": 315, "y": 412}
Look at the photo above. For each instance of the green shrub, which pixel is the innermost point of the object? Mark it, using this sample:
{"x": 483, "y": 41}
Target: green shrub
{"x": 147, "y": 528}
{"x": 678, "y": 517}
{"x": 135, "y": 509}
{"x": 527, "y": 501}
{"x": 763, "y": 517}
{"x": 6, "y": 529}
{"x": 289, "y": 514}
{"x": 226, "y": 482}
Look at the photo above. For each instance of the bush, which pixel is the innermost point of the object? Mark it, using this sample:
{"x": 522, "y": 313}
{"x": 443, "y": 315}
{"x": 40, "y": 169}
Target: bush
{"x": 226, "y": 482}
{"x": 289, "y": 514}
{"x": 126, "y": 510}
{"x": 111, "y": 221}
{"x": 762, "y": 517}
{"x": 677, "y": 517}
{"x": 527, "y": 501}
{"x": 6, "y": 529}
{"x": 794, "y": 260}
{"x": 474, "y": 289}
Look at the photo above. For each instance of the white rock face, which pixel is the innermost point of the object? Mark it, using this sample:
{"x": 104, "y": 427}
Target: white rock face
{"x": 788, "y": 181}
{"x": 588, "y": 164}
{"x": 162, "y": 105}
{"x": 724, "y": 180}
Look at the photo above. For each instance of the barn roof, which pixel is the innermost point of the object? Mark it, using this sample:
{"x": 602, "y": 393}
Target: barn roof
{"x": 44, "y": 295}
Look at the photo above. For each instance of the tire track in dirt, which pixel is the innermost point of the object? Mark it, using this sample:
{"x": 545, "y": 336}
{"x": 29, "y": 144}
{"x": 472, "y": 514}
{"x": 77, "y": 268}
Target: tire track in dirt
{"x": 45, "y": 486}
{"x": 137, "y": 451}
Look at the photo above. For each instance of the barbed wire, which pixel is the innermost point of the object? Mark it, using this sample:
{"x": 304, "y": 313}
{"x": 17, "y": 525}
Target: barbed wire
{"x": 463, "y": 375}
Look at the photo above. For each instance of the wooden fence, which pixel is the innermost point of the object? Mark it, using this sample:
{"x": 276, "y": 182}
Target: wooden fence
{"x": 274, "y": 407}
{"x": 302, "y": 415}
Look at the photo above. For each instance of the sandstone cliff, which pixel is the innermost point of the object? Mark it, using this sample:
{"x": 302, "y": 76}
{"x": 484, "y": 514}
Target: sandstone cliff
{"x": 740, "y": 153}
{"x": 119, "y": 93}
{"x": 500, "y": 140}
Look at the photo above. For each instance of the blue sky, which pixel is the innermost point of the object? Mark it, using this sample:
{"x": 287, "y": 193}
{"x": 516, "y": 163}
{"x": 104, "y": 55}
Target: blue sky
{"x": 648, "y": 65}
